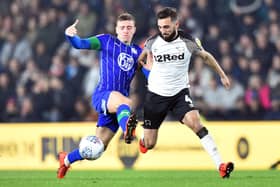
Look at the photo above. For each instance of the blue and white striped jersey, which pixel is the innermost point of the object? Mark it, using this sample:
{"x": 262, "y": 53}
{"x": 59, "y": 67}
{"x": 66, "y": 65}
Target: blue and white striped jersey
{"x": 118, "y": 63}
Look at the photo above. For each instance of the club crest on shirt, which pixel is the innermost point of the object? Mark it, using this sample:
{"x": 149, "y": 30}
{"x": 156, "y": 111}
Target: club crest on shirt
{"x": 134, "y": 51}
{"x": 125, "y": 61}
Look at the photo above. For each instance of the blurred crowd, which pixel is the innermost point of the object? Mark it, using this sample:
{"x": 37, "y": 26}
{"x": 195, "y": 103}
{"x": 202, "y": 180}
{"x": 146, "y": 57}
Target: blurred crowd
{"x": 42, "y": 78}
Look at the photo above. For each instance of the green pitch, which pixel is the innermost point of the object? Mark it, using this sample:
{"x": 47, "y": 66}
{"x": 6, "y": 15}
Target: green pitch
{"x": 132, "y": 178}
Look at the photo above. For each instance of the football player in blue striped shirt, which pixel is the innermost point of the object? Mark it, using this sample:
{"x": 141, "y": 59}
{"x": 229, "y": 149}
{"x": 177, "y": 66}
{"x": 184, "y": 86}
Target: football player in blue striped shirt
{"x": 118, "y": 63}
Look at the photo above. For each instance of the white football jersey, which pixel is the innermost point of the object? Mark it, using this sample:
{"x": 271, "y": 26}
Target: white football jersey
{"x": 169, "y": 74}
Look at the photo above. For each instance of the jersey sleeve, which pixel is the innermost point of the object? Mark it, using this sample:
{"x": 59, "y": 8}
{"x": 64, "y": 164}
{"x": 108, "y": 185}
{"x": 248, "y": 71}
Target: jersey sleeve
{"x": 78, "y": 42}
{"x": 149, "y": 42}
{"x": 103, "y": 39}
{"x": 94, "y": 43}
{"x": 193, "y": 46}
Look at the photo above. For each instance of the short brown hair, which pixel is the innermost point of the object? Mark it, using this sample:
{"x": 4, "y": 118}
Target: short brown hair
{"x": 126, "y": 16}
{"x": 167, "y": 12}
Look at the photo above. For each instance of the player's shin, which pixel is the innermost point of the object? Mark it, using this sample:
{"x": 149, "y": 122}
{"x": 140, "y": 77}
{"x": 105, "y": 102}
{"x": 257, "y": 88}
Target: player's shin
{"x": 209, "y": 146}
{"x": 123, "y": 113}
{"x": 73, "y": 157}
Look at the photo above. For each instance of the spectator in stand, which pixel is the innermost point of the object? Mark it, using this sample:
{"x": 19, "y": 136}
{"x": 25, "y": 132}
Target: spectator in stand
{"x": 224, "y": 49}
{"x": 264, "y": 51}
{"x": 87, "y": 20}
{"x": 27, "y": 112}
{"x": 62, "y": 100}
{"x": 40, "y": 95}
{"x": 230, "y": 97}
{"x": 14, "y": 70}
{"x": 242, "y": 69}
{"x": 212, "y": 97}
{"x": 74, "y": 74}
{"x": 33, "y": 31}
{"x": 198, "y": 82}
{"x": 41, "y": 57}
{"x": 274, "y": 113}
{"x": 212, "y": 40}
{"x": 91, "y": 78}
{"x": 258, "y": 92}
{"x": 11, "y": 111}
{"x": 245, "y": 46}
{"x": 255, "y": 68}
{"x": 83, "y": 111}
{"x": 274, "y": 72}
{"x": 227, "y": 64}
{"x": 6, "y": 90}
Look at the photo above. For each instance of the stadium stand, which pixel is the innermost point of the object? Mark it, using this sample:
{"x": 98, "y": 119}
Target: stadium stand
{"x": 43, "y": 79}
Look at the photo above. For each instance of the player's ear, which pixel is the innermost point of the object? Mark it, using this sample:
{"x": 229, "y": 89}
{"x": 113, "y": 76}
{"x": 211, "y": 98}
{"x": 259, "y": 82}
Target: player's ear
{"x": 116, "y": 30}
{"x": 134, "y": 29}
{"x": 177, "y": 24}
{"x": 116, "y": 27}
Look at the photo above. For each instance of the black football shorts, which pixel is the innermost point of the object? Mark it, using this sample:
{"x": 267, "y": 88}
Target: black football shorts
{"x": 156, "y": 107}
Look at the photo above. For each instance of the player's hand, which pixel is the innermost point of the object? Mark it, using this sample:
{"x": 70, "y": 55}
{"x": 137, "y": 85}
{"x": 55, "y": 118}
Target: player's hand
{"x": 149, "y": 61}
{"x": 71, "y": 30}
{"x": 225, "y": 82}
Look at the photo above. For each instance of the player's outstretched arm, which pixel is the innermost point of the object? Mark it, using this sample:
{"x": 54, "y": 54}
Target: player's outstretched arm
{"x": 80, "y": 43}
{"x": 211, "y": 61}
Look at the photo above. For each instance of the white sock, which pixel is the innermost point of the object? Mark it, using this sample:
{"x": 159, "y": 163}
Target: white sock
{"x": 211, "y": 148}
{"x": 66, "y": 161}
{"x": 142, "y": 137}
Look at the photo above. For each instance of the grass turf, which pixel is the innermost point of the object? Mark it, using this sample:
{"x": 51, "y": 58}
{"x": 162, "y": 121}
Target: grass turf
{"x": 132, "y": 178}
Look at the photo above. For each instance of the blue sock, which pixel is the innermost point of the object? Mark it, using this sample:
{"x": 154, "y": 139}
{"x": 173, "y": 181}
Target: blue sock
{"x": 123, "y": 113}
{"x": 74, "y": 156}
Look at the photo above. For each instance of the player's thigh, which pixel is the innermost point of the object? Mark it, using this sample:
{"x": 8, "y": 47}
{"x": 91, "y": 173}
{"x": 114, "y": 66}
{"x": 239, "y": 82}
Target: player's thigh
{"x": 100, "y": 100}
{"x": 155, "y": 110}
{"x": 182, "y": 105}
{"x": 115, "y": 100}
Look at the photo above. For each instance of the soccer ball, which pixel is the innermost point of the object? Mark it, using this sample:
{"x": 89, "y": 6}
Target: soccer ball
{"x": 91, "y": 147}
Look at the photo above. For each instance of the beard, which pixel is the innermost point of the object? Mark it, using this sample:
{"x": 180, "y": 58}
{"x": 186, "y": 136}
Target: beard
{"x": 171, "y": 37}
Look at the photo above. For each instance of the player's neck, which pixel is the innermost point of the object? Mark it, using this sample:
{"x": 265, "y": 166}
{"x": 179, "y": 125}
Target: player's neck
{"x": 125, "y": 42}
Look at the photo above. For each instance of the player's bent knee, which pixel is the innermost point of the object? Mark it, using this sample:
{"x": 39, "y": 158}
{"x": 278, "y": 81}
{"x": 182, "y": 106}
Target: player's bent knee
{"x": 91, "y": 147}
{"x": 192, "y": 121}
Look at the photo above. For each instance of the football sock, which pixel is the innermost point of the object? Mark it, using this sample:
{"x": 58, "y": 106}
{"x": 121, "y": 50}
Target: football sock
{"x": 142, "y": 138}
{"x": 123, "y": 113}
{"x": 209, "y": 146}
{"x": 73, "y": 157}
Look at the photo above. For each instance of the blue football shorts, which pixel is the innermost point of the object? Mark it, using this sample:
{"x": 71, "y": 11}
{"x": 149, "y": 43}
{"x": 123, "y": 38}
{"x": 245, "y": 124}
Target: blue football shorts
{"x": 105, "y": 119}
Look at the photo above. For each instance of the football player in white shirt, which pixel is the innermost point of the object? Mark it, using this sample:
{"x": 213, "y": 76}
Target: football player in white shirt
{"x": 168, "y": 85}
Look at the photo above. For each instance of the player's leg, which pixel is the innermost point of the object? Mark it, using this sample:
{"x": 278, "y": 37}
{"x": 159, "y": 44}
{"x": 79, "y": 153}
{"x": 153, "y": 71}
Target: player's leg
{"x": 121, "y": 105}
{"x": 192, "y": 120}
{"x": 155, "y": 110}
{"x": 187, "y": 114}
{"x": 107, "y": 126}
{"x": 105, "y": 134}
{"x": 65, "y": 160}
{"x": 148, "y": 140}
